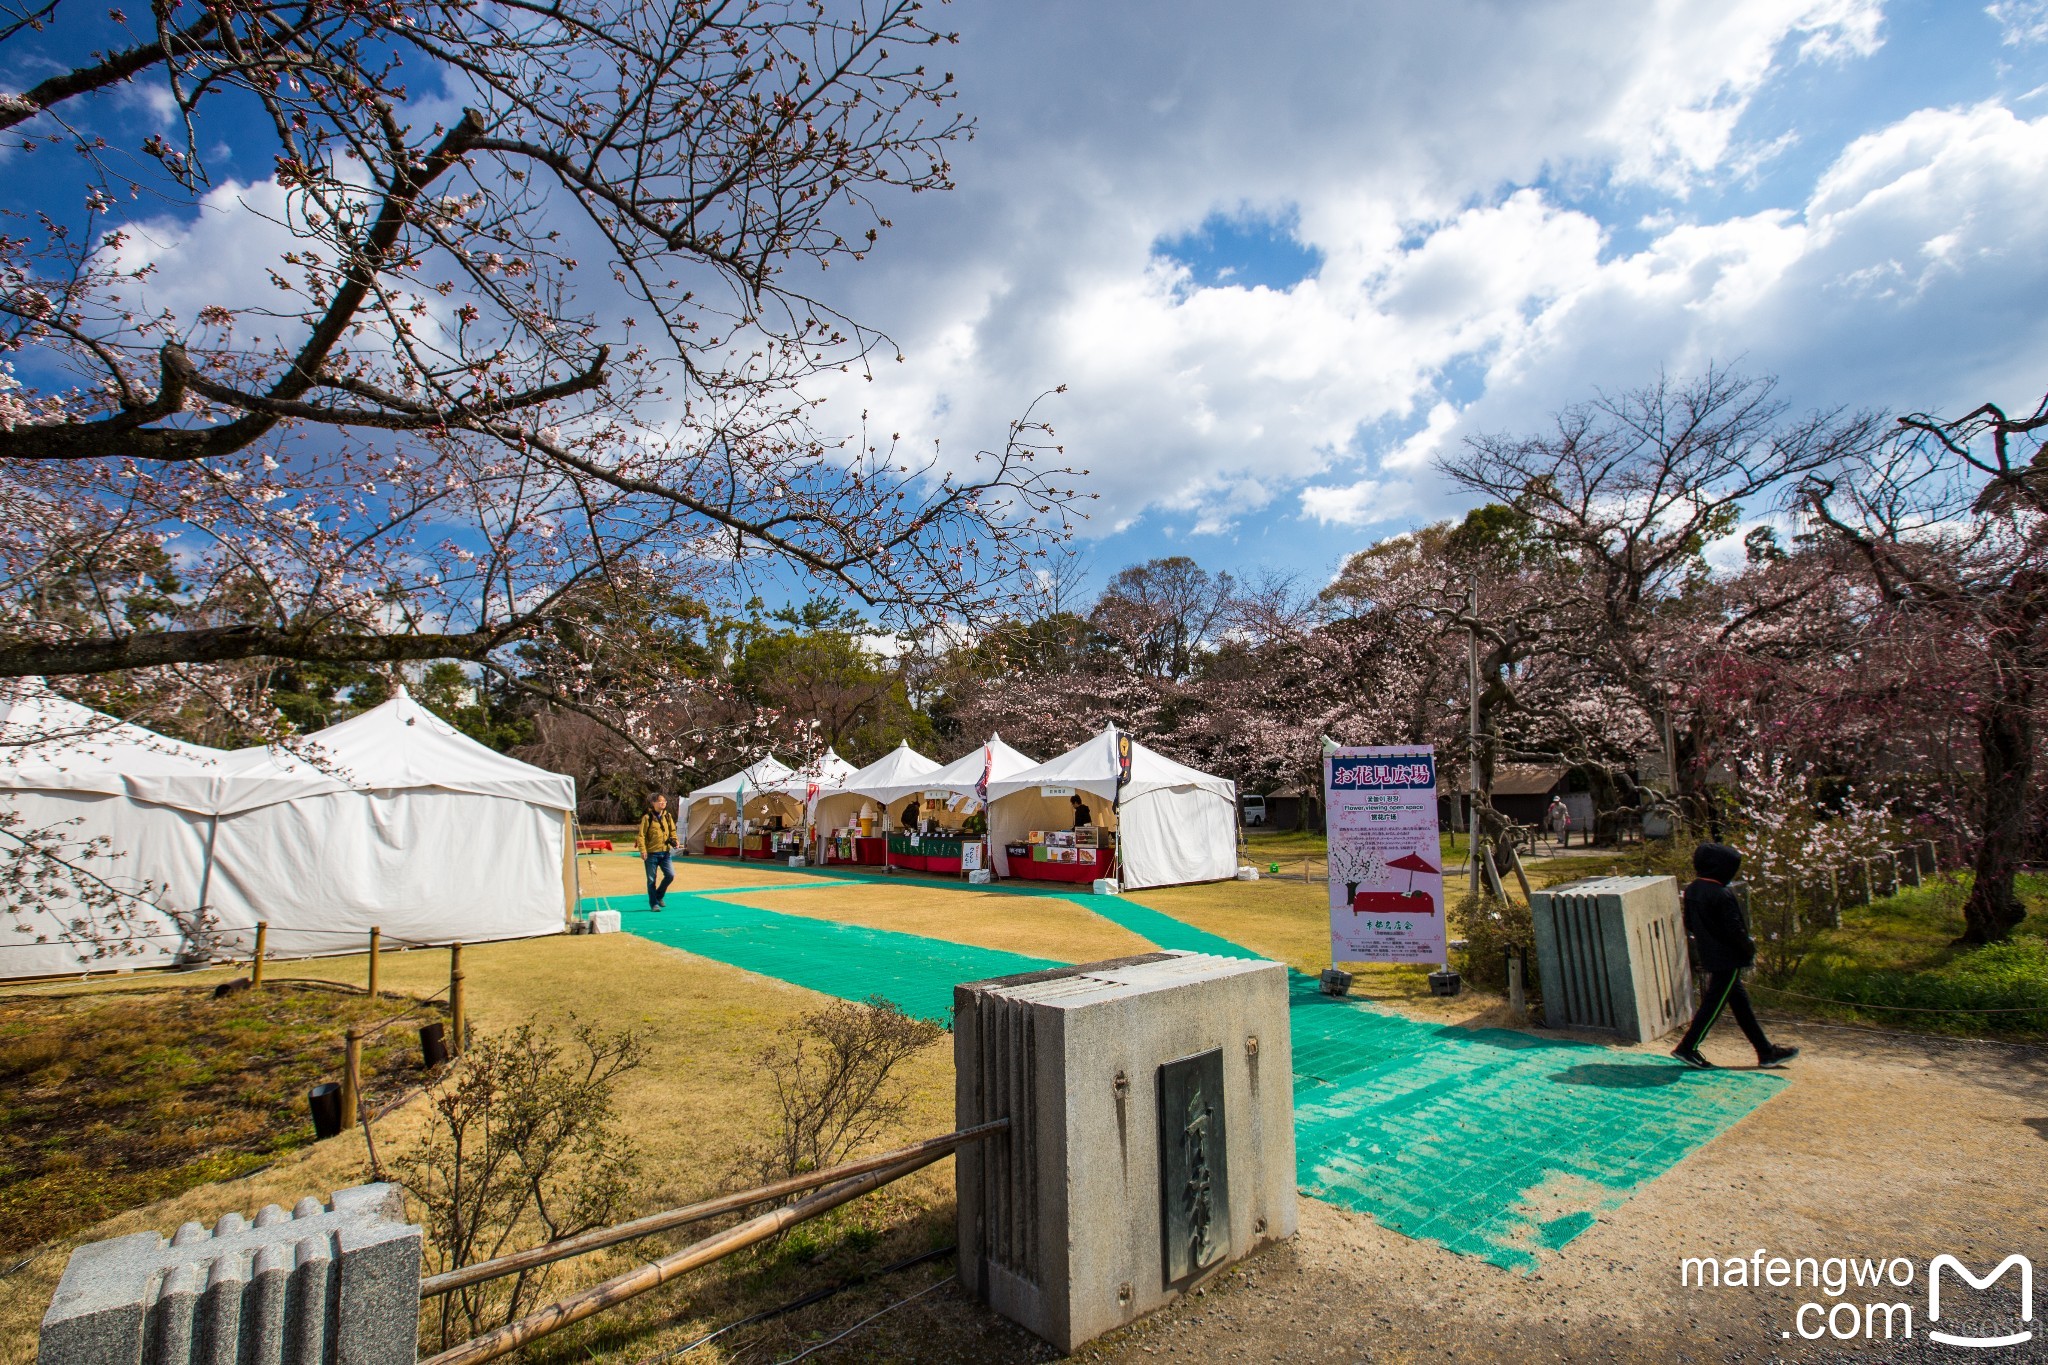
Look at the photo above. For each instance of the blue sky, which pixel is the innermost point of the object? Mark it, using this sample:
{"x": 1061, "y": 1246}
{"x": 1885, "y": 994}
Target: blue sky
{"x": 1283, "y": 256}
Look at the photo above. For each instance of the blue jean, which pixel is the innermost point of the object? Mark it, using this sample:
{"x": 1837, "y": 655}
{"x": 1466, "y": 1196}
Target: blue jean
{"x": 659, "y": 862}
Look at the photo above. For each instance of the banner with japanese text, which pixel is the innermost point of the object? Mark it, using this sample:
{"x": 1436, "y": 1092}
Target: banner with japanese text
{"x": 1386, "y": 860}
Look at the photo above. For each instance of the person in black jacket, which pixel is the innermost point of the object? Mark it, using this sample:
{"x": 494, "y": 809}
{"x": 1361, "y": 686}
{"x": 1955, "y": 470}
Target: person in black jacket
{"x": 1722, "y": 948}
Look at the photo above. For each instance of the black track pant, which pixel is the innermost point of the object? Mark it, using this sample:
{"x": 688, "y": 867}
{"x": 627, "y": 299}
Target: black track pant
{"x": 1724, "y": 991}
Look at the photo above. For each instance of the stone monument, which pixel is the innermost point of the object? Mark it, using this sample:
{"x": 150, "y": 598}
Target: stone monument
{"x": 1151, "y": 1138}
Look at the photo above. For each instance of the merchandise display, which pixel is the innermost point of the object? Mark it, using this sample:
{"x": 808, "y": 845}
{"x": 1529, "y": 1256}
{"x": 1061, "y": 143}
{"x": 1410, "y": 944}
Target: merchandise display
{"x": 1063, "y": 855}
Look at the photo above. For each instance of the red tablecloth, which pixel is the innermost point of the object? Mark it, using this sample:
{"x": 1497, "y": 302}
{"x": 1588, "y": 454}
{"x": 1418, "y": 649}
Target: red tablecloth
{"x": 866, "y": 852}
{"x": 727, "y": 852}
{"x": 593, "y": 845}
{"x": 1025, "y": 870}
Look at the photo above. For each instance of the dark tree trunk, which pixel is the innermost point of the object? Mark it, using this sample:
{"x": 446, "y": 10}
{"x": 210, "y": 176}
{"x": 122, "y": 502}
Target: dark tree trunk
{"x": 2005, "y": 742}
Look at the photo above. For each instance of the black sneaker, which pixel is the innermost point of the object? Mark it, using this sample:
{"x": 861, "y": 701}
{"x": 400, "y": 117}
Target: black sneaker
{"x": 1777, "y": 1056}
{"x": 1693, "y": 1059}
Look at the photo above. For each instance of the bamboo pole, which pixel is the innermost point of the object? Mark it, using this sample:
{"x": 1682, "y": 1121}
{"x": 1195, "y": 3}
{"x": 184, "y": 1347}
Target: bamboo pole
{"x": 256, "y": 962}
{"x": 455, "y": 1010}
{"x": 351, "y": 1078}
{"x": 620, "y": 1288}
{"x": 376, "y": 941}
{"x": 596, "y": 1240}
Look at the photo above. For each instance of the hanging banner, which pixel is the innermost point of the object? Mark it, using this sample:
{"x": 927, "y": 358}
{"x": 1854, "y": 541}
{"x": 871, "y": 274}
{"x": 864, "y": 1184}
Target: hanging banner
{"x": 1386, "y": 859}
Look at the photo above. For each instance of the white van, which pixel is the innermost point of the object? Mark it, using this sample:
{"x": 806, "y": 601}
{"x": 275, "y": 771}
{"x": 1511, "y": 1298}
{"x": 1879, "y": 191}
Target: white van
{"x": 1254, "y": 810}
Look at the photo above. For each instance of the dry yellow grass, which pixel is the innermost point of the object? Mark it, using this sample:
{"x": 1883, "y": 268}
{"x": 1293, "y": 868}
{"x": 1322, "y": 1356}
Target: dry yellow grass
{"x": 1289, "y": 921}
{"x": 693, "y": 1105}
{"x": 1039, "y": 926}
{"x": 610, "y": 874}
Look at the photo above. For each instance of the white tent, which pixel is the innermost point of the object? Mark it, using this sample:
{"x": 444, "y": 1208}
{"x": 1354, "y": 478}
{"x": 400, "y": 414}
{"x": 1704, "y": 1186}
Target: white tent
{"x": 74, "y": 777}
{"x": 393, "y": 819}
{"x": 900, "y": 773}
{"x": 400, "y": 821}
{"x": 961, "y": 776}
{"x": 828, "y": 771}
{"x": 759, "y": 779}
{"x": 1174, "y": 825}
{"x": 894, "y": 775}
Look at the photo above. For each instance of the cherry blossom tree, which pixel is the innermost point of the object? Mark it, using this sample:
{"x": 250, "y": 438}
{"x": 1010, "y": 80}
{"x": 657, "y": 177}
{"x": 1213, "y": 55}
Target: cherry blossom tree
{"x": 534, "y": 304}
{"x": 1632, "y": 487}
{"x": 1950, "y": 523}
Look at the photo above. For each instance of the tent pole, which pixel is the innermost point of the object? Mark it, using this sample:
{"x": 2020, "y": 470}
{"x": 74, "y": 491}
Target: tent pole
{"x": 198, "y": 929}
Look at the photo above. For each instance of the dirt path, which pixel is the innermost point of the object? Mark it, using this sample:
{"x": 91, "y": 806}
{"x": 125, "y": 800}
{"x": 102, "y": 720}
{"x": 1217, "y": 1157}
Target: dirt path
{"x": 1883, "y": 1147}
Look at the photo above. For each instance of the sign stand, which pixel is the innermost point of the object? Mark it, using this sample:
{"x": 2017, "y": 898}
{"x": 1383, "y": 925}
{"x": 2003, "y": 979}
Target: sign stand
{"x": 1385, "y": 850}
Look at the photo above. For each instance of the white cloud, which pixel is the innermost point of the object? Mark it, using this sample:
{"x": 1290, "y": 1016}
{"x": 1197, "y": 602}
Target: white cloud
{"x": 2020, "y": 22}
{"x": 1368, "y": 502}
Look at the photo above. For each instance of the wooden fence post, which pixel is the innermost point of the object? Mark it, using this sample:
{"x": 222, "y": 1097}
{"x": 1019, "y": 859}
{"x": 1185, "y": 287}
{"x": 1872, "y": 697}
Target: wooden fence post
{"x": 262, "y": 946}
{"x": 376, "y": 941}
{"x": 1909, "y": 859}
{"x": 455, "y": 1012}
{"x": 352, "y": 1078}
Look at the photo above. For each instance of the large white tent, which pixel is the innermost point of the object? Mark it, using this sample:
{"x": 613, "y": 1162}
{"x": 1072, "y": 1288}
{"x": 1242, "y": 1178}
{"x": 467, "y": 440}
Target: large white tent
{"x": 900, "y": 773}
{"x": 1174, "y": 824}
{"x": 401, "y": 821}
{"x": 394, "y": 819}
{"x": 759, "y": 780}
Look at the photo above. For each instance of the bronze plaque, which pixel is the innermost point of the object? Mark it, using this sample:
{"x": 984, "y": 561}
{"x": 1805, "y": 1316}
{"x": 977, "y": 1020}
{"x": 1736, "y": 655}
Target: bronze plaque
{"x": 1194, "y": 1166}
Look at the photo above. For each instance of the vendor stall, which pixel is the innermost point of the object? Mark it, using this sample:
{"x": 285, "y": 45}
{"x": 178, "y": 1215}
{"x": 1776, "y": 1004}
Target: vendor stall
{"x": 1172, "y": 825}
{"x": 849, "y": 817}
{"x": 712, "y": 815}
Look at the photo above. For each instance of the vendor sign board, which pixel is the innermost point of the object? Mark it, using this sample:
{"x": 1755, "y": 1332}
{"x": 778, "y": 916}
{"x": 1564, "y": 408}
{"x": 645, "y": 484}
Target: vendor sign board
{"x": 1386, "y": 863}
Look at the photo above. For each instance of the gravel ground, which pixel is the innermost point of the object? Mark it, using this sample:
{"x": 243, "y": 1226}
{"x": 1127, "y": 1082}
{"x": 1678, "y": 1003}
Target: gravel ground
{"x": 1884, "y": 1146}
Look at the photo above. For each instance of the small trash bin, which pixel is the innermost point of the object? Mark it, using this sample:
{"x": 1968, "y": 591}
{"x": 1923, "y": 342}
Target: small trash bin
{"x": 324, "y": 1100}
{"x": 433, "y": 1044}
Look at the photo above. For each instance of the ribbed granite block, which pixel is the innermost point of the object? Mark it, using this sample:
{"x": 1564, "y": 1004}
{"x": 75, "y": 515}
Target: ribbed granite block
{"x": 333, "y": 1284}
{"x": 1611, "y": 954}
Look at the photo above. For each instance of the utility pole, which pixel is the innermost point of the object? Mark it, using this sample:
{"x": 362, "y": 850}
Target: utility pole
{"x": 1472, "y": 670}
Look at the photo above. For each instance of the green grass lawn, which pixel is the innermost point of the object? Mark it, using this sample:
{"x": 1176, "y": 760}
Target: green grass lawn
{"x": 1895, "y": 963}
{"x": 110, "y": 1099}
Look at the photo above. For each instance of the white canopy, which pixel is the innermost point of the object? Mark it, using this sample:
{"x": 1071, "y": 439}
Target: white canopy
{"x": 763, "y": 774}
{"x": 402, "y": 746}
{"x": 901, "y": 772}
{"x": 1091, "y": 766}
{"x": 963, "y": 774}
{"x": 828, "y": 770}
{"x": 764, "y": 781}
{"x": 1174, "y": 824}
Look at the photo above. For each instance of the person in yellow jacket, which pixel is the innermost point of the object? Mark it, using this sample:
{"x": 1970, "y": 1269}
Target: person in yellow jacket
{"x": 657, "y": 848}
